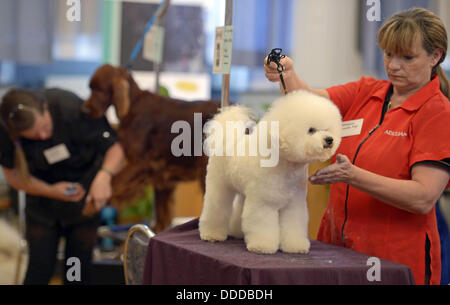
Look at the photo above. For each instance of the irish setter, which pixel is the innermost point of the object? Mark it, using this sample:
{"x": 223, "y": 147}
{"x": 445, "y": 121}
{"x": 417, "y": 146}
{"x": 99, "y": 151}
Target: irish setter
{"x": 145, "y": 133}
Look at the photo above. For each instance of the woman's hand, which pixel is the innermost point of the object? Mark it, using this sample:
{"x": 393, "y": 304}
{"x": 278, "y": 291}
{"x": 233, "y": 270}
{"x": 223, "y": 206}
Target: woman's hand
{"x": 67, "y": 191}
{"x": 340, "y": 171}
{"x": 272, "y": 73}
{"x": 291, "y": 79}
{"x": 100, "y": 191}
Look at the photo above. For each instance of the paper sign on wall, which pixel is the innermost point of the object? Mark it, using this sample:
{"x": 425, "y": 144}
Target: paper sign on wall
{"x": 223, "y": 45}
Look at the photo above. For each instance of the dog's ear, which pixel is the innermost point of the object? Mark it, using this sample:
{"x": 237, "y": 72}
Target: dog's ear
{"x": 121, "y": 96}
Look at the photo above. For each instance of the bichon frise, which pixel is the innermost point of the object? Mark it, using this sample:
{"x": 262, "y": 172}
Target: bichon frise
{"x": 270, "y": 209}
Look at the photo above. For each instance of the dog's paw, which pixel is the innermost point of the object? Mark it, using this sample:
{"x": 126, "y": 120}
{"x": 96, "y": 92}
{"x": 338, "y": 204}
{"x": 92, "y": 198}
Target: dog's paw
{"x": 212, "y": 236}
{"x": 262, "y": 248}
{"x": 300, "y": 245}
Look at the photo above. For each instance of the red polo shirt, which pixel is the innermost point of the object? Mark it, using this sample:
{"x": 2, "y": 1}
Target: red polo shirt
{"x": 418, "y": 130}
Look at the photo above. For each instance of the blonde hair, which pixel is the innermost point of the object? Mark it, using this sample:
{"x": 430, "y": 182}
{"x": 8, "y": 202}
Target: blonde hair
{"x": 398, "y": 34}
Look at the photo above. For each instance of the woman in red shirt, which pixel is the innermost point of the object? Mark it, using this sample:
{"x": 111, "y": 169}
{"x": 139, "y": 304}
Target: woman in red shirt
{"x": 393, "y": 161}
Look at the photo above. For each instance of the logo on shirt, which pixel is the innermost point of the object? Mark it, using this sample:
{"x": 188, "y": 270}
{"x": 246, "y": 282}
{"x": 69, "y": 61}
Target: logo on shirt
{"x": 396, "y": 133}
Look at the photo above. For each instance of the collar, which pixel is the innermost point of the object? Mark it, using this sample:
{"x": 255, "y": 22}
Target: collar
{"x": 422, "y": 96}
{"x": 381, "y": 92}
{"x": 417, "y": 100}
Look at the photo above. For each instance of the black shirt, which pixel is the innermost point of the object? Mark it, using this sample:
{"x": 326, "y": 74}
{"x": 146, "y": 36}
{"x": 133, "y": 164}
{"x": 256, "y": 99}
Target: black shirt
{"x": 87, "y": 141}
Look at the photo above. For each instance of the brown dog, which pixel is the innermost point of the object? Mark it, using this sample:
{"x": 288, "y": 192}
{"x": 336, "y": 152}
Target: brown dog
{"x": 145, "y": 133}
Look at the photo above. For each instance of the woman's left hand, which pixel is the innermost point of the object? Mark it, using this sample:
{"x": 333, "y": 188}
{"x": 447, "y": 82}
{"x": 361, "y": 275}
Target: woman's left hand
{"x": 100, "y": 190}
{"x": 340, "y": 171}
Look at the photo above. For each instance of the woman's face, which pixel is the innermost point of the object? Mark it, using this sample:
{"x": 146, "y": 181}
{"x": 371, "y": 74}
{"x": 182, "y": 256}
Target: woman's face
{"x": 42, "y": 128}
{"x": 411, "y": 71}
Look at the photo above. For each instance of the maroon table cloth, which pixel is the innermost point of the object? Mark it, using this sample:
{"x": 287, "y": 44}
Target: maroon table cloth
{"x": 179, "y": 257}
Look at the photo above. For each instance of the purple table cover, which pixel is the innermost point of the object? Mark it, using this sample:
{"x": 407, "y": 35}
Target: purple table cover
{"x": 179, "y": 257}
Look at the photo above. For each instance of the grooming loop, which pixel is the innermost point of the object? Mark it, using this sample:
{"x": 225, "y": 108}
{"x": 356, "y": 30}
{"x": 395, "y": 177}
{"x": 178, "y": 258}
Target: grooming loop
{"x": 276, "y": 56}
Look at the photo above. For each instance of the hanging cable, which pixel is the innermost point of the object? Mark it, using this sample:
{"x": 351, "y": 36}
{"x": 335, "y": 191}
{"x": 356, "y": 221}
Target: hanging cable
{"x": 137, "y": 48}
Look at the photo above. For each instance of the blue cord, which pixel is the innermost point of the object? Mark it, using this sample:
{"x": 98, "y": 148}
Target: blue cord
{"x": 139, "y": 44}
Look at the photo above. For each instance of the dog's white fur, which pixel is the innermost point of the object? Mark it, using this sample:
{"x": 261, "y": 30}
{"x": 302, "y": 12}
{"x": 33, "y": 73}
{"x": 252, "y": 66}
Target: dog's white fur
{"x": 11, "y": 246}
{"x": 270, "y": 209}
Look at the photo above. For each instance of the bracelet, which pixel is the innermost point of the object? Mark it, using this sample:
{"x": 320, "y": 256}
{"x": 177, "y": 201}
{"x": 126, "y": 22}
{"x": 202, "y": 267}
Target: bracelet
{"x": 108, "y": 171}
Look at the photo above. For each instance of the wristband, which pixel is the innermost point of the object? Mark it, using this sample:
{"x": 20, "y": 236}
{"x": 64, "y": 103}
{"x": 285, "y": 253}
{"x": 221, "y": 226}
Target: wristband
{"x": 108, "y": 171}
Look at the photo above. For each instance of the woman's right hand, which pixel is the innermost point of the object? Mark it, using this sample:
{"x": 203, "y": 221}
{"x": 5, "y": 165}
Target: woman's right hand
{"x": 272, "y": 73}
{"x": 60, "y": 191}
{"x": 291, "y": 79}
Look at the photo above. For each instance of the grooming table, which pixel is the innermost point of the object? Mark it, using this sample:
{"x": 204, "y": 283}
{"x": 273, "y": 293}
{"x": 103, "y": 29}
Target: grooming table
{"x": 179, "y": 257}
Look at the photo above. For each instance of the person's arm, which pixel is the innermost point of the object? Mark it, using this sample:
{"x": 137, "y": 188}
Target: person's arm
{"x": 37, "y": 187}
{"x": 114, "y": 160}
{"x": 292, "y": 81}
{"x": 100, "y": 190}
{"x": 417, "y": 195}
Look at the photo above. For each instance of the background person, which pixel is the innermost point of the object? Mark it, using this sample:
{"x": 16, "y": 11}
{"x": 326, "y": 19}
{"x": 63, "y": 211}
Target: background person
{"x": 387, "y": 178}
{"x": 61, "y": 159}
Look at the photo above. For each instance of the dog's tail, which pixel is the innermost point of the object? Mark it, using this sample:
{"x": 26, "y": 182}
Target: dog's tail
{"x": 226, "y": 129}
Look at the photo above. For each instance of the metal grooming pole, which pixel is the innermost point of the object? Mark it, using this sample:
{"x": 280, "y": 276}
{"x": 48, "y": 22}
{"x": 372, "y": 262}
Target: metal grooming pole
{"x": 157, "y": 66}
{"x": 23, "y": 247}
{"x": 225, "y": 100}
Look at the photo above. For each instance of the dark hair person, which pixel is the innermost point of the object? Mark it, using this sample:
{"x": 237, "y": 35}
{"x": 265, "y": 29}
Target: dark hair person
{"x": 386, "y": 178}
{"x": 64, "y": 161}
{"x": 19, "y": 117}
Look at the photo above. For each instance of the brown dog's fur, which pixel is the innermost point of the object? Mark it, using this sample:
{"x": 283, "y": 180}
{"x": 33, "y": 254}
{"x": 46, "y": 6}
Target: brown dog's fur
{"x": 145, "y": 134}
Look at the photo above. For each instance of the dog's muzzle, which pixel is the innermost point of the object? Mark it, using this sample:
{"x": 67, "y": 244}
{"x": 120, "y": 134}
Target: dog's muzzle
{"x": 328, "y": 142}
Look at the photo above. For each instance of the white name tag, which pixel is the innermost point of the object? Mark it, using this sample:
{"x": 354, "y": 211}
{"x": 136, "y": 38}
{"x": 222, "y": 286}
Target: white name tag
{"x": 352, "y": 128}
{"x": 57, "y": 154}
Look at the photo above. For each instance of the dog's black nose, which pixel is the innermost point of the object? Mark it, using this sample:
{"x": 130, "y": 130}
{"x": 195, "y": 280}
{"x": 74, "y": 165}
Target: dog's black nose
{"x": 328, "y": 142}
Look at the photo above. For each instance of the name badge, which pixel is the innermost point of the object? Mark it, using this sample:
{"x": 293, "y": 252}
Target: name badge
{"x": 57, "y": 154}
{"x": 352, "y": 128}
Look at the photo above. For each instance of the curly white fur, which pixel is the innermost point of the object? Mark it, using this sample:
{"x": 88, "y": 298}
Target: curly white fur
{"x": 270, "y": 209}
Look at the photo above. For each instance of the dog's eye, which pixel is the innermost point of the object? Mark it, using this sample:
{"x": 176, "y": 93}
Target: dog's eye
{"x": 312, "y": 130}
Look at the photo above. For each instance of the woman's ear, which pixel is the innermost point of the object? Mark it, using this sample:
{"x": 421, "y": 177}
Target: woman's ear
{"x": 437, "y": 57}
{"x": 121, "y": 96}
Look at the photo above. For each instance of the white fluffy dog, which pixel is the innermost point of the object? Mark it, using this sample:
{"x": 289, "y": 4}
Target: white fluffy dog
{"x": 270, "y": 209}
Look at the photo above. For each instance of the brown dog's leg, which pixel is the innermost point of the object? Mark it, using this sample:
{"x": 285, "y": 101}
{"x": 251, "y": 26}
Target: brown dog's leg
{"x": 164, "y": 208}
{"x": 129, "y": 185}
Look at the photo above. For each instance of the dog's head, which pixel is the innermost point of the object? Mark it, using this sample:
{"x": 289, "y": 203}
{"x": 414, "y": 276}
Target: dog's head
{"x": 309, "y": 127}
{"x": 109, "y": 85}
